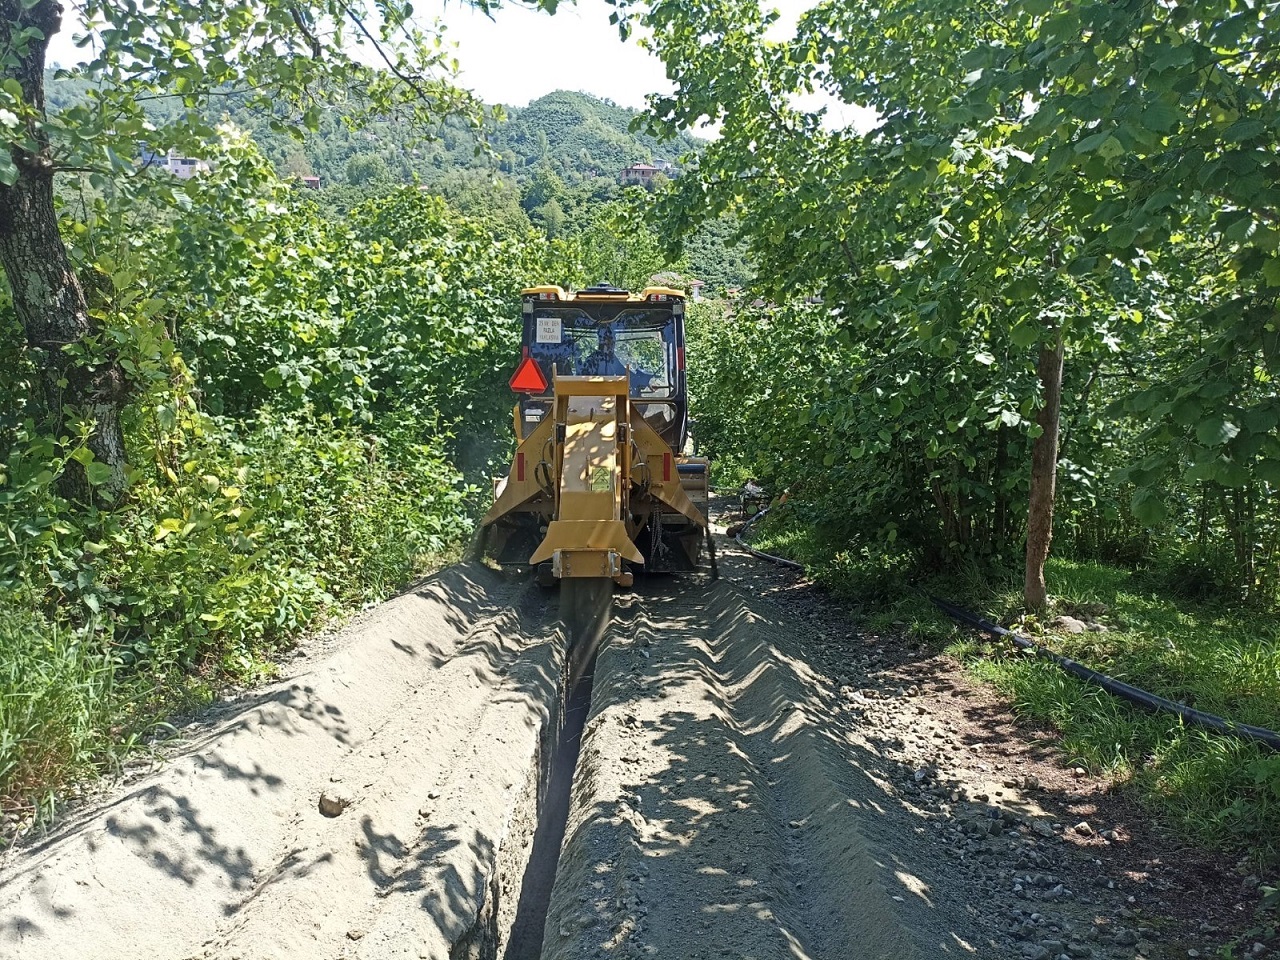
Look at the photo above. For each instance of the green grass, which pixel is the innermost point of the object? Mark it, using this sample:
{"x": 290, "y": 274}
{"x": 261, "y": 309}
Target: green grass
{"x": 1217, "y": 790}
{"x": 111, "y": 622}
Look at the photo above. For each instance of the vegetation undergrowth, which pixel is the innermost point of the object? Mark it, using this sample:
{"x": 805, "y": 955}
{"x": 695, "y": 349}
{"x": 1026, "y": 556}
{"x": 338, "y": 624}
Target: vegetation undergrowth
{"x": 1214, "y": 656}
{"x": 227, "y": 553}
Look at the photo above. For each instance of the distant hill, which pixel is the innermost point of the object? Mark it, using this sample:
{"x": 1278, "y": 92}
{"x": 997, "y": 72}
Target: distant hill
{"x": 577, "y": 135}
{"x": 556, "y": 160}
{"x": 581, "y": 136}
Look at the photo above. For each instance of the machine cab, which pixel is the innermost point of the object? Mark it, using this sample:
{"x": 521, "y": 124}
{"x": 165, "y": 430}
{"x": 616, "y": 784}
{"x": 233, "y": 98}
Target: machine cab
{"x": 604, "y": 331}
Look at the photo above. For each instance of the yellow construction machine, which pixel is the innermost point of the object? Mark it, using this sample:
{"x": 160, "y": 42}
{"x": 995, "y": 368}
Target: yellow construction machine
{"x": 600, "y": 485}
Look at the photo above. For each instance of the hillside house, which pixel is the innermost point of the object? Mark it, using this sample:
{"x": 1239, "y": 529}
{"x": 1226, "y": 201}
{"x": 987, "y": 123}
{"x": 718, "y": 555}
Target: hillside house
{"x": 184, "y": 168}
{"x": 639, "y": 173}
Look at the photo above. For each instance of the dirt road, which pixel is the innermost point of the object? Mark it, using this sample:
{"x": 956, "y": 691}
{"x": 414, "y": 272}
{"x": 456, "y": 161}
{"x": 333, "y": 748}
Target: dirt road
{"x": 755, "y": 780}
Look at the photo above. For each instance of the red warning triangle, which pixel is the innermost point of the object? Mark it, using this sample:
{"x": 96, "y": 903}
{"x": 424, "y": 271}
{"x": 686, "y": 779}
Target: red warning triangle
{"x": 528, "y": 377}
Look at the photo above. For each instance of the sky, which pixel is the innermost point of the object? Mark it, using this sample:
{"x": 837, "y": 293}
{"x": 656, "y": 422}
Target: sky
{"x": 522, "y": 54}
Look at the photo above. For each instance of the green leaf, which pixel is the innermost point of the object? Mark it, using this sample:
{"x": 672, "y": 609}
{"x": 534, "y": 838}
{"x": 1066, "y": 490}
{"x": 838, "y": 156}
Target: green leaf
{"x": 1025, "y": 334}
{"x": 1093, "y": 142}
{"x": 1111, "y": 148}
{"x": 1271, "y": 272}
{"x": 97, "y": 473}
{"x": 1245, "y": 130}
{"x": 1160, "y": 116}
{"x": 1268, "y": 471}
{"x": 1216, "y": 431}
{"x": 1148, "y": 507}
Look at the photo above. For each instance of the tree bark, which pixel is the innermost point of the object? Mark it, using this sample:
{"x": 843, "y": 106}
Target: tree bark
{"x": 1044, "y": 472}
{"x": 47, "y": 296}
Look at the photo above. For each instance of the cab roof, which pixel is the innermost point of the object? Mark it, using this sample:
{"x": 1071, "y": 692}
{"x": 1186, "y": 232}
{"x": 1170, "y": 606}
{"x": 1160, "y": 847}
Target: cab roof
{"x": 596, "y": 294}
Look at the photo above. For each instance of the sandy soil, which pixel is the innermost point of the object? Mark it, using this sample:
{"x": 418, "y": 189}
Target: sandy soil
{"x": 422, "y": 732}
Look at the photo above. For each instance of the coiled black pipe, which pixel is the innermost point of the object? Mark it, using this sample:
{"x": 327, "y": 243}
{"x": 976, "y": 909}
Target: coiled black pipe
{"x": 1118, "y": 688}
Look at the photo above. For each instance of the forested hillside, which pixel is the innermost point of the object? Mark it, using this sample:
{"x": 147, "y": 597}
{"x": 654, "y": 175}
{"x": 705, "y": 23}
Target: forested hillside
{"x": 552, "y": 164}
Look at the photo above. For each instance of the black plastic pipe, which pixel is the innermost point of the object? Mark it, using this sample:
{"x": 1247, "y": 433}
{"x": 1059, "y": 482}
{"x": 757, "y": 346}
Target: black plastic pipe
{"x": 781, "y": 561}
{"x": 1118, "y": 688}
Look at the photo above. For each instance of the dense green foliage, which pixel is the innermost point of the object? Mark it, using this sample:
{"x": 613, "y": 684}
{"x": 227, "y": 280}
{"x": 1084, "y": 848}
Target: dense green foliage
{"x": 1097, "y": 174}
{"x": 300, "y": 386}
{"x": 1103, "y": 173}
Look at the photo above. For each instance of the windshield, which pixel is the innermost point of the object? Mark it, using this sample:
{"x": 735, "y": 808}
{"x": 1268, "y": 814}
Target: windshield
{"x": 641, "y": 341}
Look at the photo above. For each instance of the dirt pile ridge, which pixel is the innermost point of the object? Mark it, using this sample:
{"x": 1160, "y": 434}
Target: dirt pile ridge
{"x": 720, "y": 812}
{"x": 422, "y": 739}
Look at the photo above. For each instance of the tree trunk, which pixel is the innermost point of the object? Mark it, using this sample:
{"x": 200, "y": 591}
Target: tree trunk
{"x": 1044, "y": 473}
{"x": 47, "y": 297}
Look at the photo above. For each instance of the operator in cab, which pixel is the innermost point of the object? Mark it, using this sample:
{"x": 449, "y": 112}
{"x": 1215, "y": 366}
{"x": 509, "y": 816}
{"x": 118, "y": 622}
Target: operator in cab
{"x": 603, "y": 362}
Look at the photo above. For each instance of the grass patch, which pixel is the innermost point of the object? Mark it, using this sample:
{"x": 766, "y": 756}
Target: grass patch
{"x": 1220, "y": 791}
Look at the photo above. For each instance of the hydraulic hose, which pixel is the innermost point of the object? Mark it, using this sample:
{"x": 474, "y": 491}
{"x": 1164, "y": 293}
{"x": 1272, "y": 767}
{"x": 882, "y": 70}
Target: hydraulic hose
{"x": 1118, "y": 688}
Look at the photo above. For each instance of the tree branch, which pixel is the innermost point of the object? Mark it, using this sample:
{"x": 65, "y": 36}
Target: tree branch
{"x": 306, "y": 31}
{"x": 411, "y": 82}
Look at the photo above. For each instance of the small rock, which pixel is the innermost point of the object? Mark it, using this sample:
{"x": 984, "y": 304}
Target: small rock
{"x": 333, "y": 802}
{"x": 1068, "y": 624}
{"x": 355, "y": 934}
{"x": 1084, "y": 829}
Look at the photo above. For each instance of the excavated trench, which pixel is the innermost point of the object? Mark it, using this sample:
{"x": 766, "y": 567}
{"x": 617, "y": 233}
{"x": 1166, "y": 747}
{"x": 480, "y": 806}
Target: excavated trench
{"x": 584, "y": 612}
